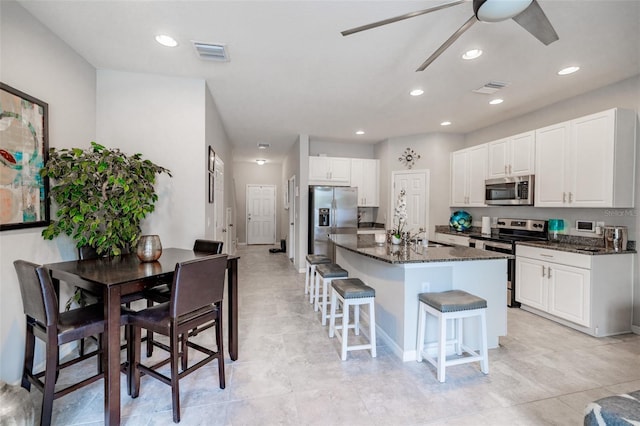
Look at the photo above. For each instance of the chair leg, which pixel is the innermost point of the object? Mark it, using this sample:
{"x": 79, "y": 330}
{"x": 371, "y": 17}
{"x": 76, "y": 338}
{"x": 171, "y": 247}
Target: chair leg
{"x": 422, "y": 318}
{"x": 49, "y": 380}
{"x": 345, "y": 329}
{"x": 134, "y": 377}
{"x": 184, "y": 351}
{"x": 99, "y": 357}
{"x": 332, "y": 315}
{"x": 484, "y": 364}
{"x": 219, "y": 340}
{"x": 372, "y": 328}
{"x": 82, "y": 347}
{"x": 442, "y": 349}
{"x": 175, "y": 387}
{"x": 149, "y": 334}
{"x": 30, "y": 344}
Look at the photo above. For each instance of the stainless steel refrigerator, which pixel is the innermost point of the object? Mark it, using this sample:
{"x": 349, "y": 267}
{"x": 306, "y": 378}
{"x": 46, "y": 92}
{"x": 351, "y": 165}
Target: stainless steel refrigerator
{"x": 332, "y": 210}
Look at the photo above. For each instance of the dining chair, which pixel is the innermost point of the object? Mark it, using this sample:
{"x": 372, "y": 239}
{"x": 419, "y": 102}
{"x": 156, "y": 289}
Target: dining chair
{"x": 54, "y": 328}
{"x": 162, "y": 293}
{"x": 196, "y": 298}
{"x": 87, "y": 252}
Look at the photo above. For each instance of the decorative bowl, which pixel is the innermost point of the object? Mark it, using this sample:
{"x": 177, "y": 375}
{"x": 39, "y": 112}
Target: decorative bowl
{"x": 460, "y": 220}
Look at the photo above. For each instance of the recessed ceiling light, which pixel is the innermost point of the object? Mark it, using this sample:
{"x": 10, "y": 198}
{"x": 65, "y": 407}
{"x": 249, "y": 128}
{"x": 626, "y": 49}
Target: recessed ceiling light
{"x": 166, "y": 40}
{"x": 262, "y": 145}
{"x": 496, "y": 101}
{"x": 261, "y": 162}
{"x": 445, "y": 123}
{"x": 568, "y": 70}
{"x": 472, "y": 54}
{"x": 416, "y": 92}
{"x": 360, "y": 132}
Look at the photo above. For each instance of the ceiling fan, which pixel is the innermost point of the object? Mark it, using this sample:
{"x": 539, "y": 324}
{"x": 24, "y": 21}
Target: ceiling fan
{"x": 527, "y": 13}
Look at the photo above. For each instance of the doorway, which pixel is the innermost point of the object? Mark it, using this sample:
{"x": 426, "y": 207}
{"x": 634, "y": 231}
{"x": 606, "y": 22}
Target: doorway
{"x": 261, "y": 214}
{"x": 416, "y": 186}
{"x": 291, "y": 205}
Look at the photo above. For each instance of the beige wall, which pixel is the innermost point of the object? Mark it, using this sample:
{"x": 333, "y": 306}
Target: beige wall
{"x": 251, "y": 173}
{"x": 37, "y": 62}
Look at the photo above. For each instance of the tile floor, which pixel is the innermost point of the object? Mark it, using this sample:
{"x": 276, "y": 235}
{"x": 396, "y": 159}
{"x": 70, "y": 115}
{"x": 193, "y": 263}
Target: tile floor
{"x": 290, "y": 373}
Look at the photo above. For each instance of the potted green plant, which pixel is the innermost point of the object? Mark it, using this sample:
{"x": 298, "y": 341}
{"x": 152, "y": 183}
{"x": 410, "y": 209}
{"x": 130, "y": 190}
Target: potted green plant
{"x": 102, "y": 195}
{"x": 400, "y": 219}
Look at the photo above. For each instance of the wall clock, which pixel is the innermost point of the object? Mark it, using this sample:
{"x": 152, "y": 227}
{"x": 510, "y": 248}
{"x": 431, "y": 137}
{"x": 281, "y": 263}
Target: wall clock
{"x": 409, "y": 157}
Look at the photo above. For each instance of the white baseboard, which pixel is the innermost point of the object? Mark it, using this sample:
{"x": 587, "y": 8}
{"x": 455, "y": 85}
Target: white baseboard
{"x": 635, "y": 329}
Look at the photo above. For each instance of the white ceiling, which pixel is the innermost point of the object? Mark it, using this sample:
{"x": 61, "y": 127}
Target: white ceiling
{"x": 291, "y": 72}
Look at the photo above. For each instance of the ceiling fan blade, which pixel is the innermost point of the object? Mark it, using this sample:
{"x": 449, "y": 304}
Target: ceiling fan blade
{"x": 536, "y": 22}
{"x": 400, "y": 18}
{"x": 449, "y": 42}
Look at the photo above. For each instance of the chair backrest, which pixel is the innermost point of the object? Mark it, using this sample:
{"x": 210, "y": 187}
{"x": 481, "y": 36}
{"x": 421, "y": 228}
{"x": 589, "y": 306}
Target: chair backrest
{"x": 208, "y": 246}
{"x": 197, "y": 283}
{"x": 39, "y": 298}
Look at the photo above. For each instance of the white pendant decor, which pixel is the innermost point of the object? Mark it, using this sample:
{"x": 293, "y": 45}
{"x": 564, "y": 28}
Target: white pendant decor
{"x": 409, "y": 157}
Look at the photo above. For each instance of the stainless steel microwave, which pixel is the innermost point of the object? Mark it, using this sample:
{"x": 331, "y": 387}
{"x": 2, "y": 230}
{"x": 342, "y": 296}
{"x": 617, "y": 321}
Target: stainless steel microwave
{"x": 509, "y": 191}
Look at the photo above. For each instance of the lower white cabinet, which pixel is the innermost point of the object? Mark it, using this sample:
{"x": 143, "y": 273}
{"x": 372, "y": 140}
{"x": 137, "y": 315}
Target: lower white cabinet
{"x": 458, "y": 240}
{"x": 591, "y": 293}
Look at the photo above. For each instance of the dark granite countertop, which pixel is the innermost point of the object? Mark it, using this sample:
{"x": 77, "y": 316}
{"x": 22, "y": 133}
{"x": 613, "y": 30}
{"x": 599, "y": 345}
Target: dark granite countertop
{"x": 573, "y": 248}
{"x": 435, "y": 252}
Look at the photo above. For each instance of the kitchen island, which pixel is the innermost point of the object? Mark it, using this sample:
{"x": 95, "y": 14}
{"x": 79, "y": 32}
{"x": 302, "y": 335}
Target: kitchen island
{"x": 399, "y": 274}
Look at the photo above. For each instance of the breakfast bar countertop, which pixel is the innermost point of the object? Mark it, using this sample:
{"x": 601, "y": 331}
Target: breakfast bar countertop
{"x": 398, "y": 254}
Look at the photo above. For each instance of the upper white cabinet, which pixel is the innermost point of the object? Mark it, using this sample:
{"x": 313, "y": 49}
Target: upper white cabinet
{"x": 468, "y": 173}
{"x": 365, "y": 175}
{"x": 512, "y": 156}
{"x": 329, "y": 171}
{"x": 587, "y": 162}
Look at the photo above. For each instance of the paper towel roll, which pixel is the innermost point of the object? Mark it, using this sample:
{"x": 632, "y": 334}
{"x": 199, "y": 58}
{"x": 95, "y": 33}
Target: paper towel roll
{"x": 486, "y": 225}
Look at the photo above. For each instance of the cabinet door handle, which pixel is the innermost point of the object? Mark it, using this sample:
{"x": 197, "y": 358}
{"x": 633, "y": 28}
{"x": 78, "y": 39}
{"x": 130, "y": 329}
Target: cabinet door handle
{"x": 505, "y": 169}
{"x": 543, "y": 268}
{"x": 570, "y": 197}
{"x": 549, "y": 272}
{"x": 509, "y": 168}
{"x": 546, "y": 255}
{"x": 564, "y": 197}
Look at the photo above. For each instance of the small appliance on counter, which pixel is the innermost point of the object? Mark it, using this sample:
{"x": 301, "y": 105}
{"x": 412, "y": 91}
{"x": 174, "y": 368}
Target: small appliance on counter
{"x": 615, "y": 238}
{"x": 555, "y": 226}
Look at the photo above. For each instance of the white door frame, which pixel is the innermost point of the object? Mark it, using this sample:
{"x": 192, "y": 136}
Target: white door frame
{"x": 392, "y": 201}
{"x": 219, "y": 231}
{"x": 291, "y": 199}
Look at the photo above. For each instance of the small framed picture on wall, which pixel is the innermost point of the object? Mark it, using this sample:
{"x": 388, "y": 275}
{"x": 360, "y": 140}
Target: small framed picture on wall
{"x": 211, "y": 187}
{"x": 212, "y": 159}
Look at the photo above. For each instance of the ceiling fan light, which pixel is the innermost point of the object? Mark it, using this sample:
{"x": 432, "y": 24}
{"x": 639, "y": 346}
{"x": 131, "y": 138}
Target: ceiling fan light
{"x": 568, "y": 70}
{"x": 472, "y": 54}
{"x": 499, "y": 10}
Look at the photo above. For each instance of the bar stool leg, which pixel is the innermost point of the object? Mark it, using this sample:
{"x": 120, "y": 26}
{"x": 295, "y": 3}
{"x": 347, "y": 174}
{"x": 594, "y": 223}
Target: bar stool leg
{"x": 442, "y": 348}
{"x": 345, "y": 328}
{"x": 484, "y": 364}
{"x": 422, "y": 319}
{"x": 459, "y": 322}
{"x": 332, "y": 316}
{"x": 316, "y": 293}
{"x": 372, "y": 327}
{"x": 325, "y": 289}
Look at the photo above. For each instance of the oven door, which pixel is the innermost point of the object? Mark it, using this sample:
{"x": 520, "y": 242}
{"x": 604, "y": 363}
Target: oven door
{"x": 511, "y": 267}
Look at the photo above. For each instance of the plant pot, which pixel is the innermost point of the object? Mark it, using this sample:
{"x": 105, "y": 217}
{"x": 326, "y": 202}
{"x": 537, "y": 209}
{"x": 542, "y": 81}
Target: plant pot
{"x": 395, "y": 240}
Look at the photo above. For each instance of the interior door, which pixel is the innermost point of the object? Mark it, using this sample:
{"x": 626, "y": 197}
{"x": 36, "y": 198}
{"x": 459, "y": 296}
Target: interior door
{"x": 219, "y": 210}
{"x": 261, "y": 214}
{"x": 416, "y": 186}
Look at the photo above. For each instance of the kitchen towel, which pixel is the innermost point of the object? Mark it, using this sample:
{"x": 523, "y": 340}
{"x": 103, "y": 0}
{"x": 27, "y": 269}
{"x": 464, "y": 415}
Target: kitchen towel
{"x": 486, "y": 225}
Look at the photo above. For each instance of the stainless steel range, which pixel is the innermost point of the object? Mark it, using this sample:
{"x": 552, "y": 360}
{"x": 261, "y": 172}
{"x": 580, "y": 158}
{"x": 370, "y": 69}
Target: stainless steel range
{"x": 503, "y": 240}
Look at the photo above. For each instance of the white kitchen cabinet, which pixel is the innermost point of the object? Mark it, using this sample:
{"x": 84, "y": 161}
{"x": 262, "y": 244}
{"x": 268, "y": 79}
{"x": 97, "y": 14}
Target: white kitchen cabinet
{"x": 512, "y": 156}
{"x": 329, "y": 171}
{"x": 365, "y": 175}
{"x": 591, "y": 293}
{"x": 458, "y": 240}
{"x": 468, "y": 173}
{"x": 587, "y": 162}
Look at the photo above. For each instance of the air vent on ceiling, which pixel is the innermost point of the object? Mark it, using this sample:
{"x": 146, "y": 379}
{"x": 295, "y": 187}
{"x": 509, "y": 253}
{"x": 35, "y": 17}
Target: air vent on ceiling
{"x": 491, "y": 87}
{"x": 211, "y": 51}
{"x": 262, "y": 145}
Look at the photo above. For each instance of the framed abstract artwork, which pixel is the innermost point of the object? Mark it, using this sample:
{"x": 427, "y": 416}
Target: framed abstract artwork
{"x": 212, "y": 159}
{"x": 24, "y": 146}
{"x": 212, "y": 187}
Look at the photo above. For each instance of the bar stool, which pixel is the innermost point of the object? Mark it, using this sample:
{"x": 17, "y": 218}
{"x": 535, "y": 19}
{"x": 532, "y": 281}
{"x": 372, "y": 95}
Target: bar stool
{"x": 352, "y": 292}
{"x": 326, "y": 273}
{"x": 455, "y": 305}
{"x": 312, "y": 261}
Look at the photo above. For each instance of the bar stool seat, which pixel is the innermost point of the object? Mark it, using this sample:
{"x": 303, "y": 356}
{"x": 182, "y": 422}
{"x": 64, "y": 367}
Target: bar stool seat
{"x": 312, "y": 261}
{"x": 455, "y": 305}
{"x": 352, "y": 292}
{"x": 325, "y": 273}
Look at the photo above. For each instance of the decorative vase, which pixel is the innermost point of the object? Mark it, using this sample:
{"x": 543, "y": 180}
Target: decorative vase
{"x": 149, "y": 248}
{"x": 395, "y": 240}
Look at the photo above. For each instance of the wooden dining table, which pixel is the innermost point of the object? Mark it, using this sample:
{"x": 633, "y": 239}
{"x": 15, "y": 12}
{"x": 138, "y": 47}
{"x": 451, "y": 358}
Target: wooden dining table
{"x": 118, "y": 276}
